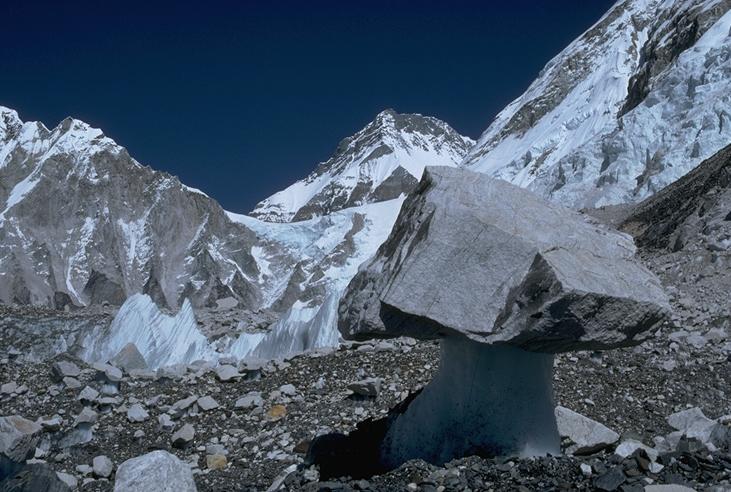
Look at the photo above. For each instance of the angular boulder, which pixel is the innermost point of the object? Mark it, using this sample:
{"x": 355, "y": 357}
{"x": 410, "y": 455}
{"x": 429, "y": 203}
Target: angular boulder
{"x": 587, "y": 435}
{"x": 129, "y": 359}
{"x": 158, "y": 471}
{"x": 18, "y": 437}
{"x": 478, "y": 257}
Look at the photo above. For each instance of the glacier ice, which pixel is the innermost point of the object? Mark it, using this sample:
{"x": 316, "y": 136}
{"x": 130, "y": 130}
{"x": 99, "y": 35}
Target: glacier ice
{"x": 300, "y": 329}
{"x": 163, "y": 340}
{"x": 483, "y": 400}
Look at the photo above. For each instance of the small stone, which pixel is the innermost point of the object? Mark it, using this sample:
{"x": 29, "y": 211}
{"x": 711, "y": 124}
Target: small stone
{"x": 611, "y": 480}
{"x": 585, "y": 469}
{"x": 51, "y": 424}
{"x": 62, "y": 369}
{"x": 249, "y": 400}
{"x": 68, "y": 479}
{"x": 183, "y": 436}
{"x": 71, "y": 383}
{"x": 86, "y": 416}
{"x": 216, "y": 462}
{"x": 88, "y": 394}
{"x": 84, "y": 469}
{"x": 288, "y": 390}
{"x": 102, "y": 466}
{"x": 108, "y": 373}
{"x": 184, "y": 404}
{"x": 226, "y": 373}
{"x": 8, "y": 388}
{"x": 276, "y": 412}
{"x": 139, "y": 434}
{"x": 207, "y": 403}
{"x": 137, "y": 413}
{"x": 165, "y": 422}
{"x": 367, "y": 387}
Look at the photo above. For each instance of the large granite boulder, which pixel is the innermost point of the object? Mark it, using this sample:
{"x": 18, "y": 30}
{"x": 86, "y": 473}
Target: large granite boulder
{"x": 505, "y": 280}
{"x": 158, "y": 471}
{"x": 479, "y": 257}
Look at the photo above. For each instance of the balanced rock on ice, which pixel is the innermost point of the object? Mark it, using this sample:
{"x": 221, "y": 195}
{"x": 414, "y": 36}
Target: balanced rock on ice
{"x": 505, "y": 280}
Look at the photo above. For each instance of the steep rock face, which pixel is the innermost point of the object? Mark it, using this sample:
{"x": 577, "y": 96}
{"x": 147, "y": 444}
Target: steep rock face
{"x": 637, "y": 101}
{"x": 82, "y": 222}
{"x": 382, "y": 161}
{"x": 696, "y": 208}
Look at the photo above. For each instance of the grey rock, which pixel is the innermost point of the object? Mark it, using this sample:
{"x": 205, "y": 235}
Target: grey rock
{"x": 227, "y": 372}
{"x": 8, "y": 388}
{"x": 250, "y": 400}
{"x": 102, "y": 466}
{"x": 62, "y": 369}
{"x": 71, "y": 383}
{"x": 88, "y": 395}
{"x": 367, "y": 387}
{"x": 207, "y": 403}
{"x": 18, "y": 437}
{"x": 33, "y": 477}
{"x": 86, "y": 416}
{"x": 129, "y": 358}
{"x": 108, "y": 373}
{"x": 479, "y": 257}
{"x": 68, "y": 479}
{"x": 587, "y": 435}
{"x": 611, "y": 480}
{"x": 183, "y": 436}
{"x": 288, "y": 390}
{"x": 158, "y": 471}
{"x": 668, "y": 488}
{"x": 137, "y": 413}
{"x": 184, "y": 404}
{"x": 51, "y": 424}
{"x": 165, "y": 422}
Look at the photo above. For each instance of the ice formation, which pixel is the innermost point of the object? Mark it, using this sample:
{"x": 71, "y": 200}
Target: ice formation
{"x": 163, "y": 340}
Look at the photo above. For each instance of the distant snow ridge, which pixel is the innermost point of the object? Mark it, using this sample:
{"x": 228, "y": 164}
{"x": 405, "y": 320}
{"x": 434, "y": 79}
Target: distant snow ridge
{"x": 162, "y": 340}
{"x": 637, "y": 101}
{"x": 382, "y": 161}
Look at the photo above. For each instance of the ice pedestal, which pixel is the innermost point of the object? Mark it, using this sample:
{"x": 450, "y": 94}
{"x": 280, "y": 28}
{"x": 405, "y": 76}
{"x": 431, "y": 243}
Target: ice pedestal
{"x": 484, "y": 400}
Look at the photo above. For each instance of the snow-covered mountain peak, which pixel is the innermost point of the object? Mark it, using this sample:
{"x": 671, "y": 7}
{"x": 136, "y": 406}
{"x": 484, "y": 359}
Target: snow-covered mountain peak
{"x": 378, "y": 163}
{"x": 635, "y": 102}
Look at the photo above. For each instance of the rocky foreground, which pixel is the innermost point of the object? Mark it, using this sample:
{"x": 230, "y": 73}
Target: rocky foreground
{"x": 247, "y": 427}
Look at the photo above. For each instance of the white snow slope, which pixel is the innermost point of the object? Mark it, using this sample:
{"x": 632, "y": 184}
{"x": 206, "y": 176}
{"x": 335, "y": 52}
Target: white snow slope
{"x": 395, "y": 146}
{"x": 637, "y": 101}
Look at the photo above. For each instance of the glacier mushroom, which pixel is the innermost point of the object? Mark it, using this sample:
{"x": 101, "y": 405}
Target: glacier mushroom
{"x": 505, "y": 280}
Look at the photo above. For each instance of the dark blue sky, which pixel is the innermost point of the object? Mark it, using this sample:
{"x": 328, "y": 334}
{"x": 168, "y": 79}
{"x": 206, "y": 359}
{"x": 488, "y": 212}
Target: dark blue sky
{"x": 242, "y": 98}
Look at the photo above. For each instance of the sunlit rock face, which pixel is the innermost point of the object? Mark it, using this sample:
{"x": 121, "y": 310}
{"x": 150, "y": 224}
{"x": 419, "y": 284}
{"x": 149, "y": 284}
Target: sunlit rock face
{"x": 478, "y": 257}
{"x": 505, "y": 280}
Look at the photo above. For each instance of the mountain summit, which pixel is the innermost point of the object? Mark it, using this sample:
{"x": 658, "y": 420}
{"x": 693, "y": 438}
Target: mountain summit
{"x": 380, "y": 162}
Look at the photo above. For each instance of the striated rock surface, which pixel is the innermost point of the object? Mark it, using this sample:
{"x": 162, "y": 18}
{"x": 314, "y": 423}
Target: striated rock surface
{"x": 481, "y": 258}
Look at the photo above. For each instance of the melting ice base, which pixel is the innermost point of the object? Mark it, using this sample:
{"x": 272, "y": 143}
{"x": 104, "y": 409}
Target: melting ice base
{"x": 484, "y": 400}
